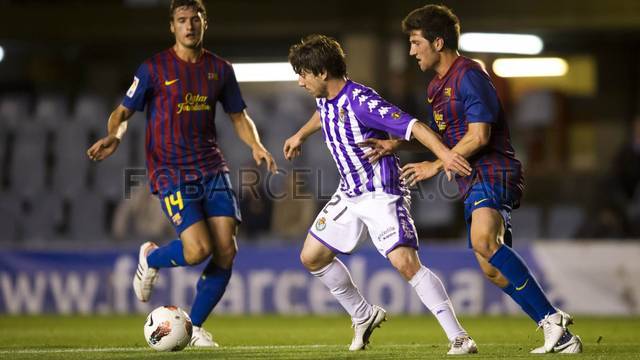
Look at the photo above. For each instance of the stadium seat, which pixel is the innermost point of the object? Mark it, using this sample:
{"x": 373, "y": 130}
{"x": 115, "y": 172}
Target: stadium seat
{"x": 14, "y": 108}
{"x": 108, "y": 175}
{"x": 91, "y": 110}
{"x": 87, "y": 217}
{"x": 28, "y": 159}
{"x": 10, "y": 217}
{"x": 51, "y": 111}
{"x": 71, "y": 161}
{"x": 44, "y": 214}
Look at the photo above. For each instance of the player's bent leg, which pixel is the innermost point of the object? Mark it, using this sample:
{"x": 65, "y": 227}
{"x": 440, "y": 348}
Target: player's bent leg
{"x": 405, "y": 260}
{"x": 197, "y": 243}
{"x": 215, "y": 277}
{"x": 225, "y": 247}
{"x": 315, "y": 255}
{"x": 434, "y": 296}
{"x": 323, "y": 264}
{"x": 487, "y": 231}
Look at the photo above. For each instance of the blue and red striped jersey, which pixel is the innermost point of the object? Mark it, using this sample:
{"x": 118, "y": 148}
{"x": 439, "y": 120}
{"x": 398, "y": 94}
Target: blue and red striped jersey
{"x": 466, "y": 95}
{"x": 180, "y": 100}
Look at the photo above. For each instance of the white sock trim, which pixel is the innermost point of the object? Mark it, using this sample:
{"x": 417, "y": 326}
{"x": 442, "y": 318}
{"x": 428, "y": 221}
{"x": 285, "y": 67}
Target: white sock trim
{"x": 418, "y": 276}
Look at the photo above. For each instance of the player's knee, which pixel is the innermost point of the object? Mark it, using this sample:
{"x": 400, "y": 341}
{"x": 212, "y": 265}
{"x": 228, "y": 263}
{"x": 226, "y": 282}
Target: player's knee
{"x": 225, "y": 256}
{"x": 407, "y": 269}
{"x": 196, "y": 253}
{"x": 484, "y": 244}
{"x": 311, "y": 263}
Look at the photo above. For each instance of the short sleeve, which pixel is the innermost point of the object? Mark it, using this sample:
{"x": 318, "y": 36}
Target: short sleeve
{"x": 230, "y": 96}
{"x": 140, "y": 90}
{"x": 480, "y": 99}
{"x": 375, "y": 112}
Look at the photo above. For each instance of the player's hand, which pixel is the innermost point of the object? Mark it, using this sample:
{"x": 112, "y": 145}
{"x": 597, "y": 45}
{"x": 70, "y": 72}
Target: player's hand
{"x": 292, "y": 147}
{"x": 261, "y": 154}
{"x": 379, "y": 148}
{"x": 103, "y": 148}
{"x": 415, "y": 172}
{"x": 454, "y": 163}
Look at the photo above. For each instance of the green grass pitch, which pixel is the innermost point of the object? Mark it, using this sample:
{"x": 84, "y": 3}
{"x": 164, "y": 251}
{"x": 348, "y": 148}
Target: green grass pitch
{"x": 279, "y": 337}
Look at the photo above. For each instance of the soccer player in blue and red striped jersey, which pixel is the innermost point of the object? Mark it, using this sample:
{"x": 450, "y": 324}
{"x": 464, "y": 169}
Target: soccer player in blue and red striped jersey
{"x": 180, "y": 88}
{"x": 468, "y": 115}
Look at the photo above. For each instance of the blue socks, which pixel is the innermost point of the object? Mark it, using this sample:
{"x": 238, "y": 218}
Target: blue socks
{"x": 525, "y": 286}
{"x": 170, "y": 255}
{"x": 211, "y": 286}
{"x": 517, "y": 297}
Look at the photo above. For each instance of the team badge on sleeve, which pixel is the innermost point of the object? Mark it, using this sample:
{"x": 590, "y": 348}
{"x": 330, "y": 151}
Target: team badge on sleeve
{"x": 133, "y": 87}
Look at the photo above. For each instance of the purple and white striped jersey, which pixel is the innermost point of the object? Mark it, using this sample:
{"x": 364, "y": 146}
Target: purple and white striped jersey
{"x": 358, "y": 113}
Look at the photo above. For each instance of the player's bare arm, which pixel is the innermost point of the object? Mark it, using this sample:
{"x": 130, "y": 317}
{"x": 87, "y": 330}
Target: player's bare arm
{"x": 384, "y": 147}
{"x": 476, "y": 138}
{"x": 292, "y": 146}
{"x": 116, "y": 127}
{"x": 246, "y": 130}
{"x": 452, "y": 162}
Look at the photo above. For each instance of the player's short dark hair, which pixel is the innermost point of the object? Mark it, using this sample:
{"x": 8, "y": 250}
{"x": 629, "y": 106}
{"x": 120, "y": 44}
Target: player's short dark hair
{"x": 318, "y": 53}
{"x": 435, "y": 21}
{"x": 198, "y": 5}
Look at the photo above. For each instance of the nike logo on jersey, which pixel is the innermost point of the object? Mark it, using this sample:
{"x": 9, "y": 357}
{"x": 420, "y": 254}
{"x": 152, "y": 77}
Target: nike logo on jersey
{"x": 430, "y": 100}
{"x": 523, "y": 285}
{"x": 170, "y": 82}
{"x": 479, "y": 202}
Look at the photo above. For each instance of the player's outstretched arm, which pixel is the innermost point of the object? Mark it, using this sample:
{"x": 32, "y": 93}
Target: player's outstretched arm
{"x": 452, "y": 161}
{"x": 246, "y": 130}
{"x": 293, "y": 145}
{"x": 383, "y": 147}
{"x": 116, "y": 127}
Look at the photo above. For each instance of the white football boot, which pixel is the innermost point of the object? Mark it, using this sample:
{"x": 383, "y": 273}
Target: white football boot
{"x": 573, "y": 346}
{"x": 462, "y": 345}
{"x": 202, "y": 338}
{"x": 145, "y": 276}
{"x": 362, "y": 332}
{"x": 553, "y": 326}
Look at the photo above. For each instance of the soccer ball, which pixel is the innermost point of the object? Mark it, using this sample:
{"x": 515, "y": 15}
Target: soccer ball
{"x": 168, "y": 328}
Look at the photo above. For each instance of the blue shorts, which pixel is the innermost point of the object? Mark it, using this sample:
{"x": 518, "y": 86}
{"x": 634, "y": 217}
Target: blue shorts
{"x": 482, "y": 195}
{"x": 191, "y": 202}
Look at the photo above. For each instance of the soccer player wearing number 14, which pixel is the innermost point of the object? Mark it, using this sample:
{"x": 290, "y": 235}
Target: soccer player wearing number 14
{"x": 180, "y": 88}
{"x": 371, "y": 199}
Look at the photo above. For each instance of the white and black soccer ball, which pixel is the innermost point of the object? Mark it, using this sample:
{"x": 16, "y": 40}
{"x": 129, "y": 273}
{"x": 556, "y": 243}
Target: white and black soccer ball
{"x": 168, "y": 328}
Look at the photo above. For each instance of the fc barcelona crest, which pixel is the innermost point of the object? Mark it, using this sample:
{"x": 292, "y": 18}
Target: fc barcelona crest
{"x": 212, "y": 76}
{"x": 177, "y": 219}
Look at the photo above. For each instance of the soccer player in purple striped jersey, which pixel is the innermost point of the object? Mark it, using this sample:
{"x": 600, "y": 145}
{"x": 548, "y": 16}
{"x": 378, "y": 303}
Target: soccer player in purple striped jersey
{"x": 467, "y": 113}
{"x": 180, "y": 87}
{"x": 371, "y": 198}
